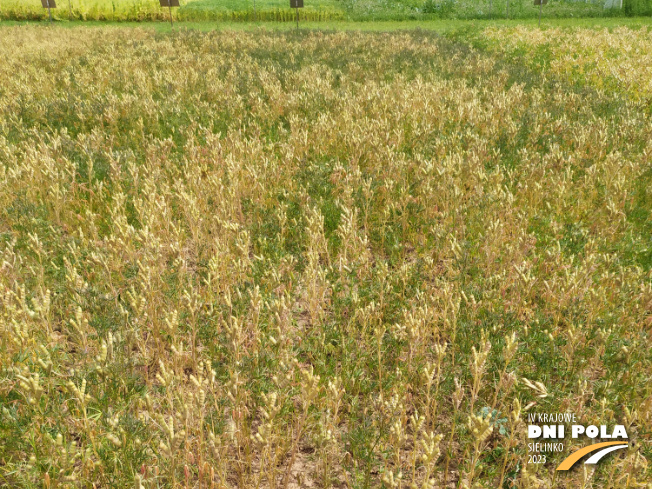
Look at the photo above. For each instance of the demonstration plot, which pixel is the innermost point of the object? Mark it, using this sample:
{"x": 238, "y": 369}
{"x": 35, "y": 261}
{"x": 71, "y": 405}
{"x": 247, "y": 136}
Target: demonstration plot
{"x": 282, "y": 260}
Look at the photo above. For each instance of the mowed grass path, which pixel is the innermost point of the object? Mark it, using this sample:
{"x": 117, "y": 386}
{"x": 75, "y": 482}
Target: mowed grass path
{"x": 261, "y": 4}
{"x": 321, "y": 259}
{"x": 436, "y": 25}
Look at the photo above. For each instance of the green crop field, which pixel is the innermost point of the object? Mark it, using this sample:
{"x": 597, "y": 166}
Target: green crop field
{"x": 281, "y": 259}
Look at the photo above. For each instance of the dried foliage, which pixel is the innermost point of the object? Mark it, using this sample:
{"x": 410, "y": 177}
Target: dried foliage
{"x": 267, "y": 260}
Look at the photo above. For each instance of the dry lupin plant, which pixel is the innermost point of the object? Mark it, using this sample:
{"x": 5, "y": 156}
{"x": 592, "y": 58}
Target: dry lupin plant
{"x": 282, "y": 270}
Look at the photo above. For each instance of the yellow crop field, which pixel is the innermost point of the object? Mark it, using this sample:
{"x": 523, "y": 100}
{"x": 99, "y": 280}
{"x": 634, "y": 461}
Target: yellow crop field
{"x": 323, "y": 259}
{"x": 151, "y": 10}
{"x": 85, "y": 10}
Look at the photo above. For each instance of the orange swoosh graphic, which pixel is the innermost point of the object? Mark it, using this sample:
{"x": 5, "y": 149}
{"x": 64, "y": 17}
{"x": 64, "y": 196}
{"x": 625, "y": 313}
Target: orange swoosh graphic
{"x": 571, "y": 459}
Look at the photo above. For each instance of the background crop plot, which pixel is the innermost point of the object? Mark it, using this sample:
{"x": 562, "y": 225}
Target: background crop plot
{"x": 323, "y": 10}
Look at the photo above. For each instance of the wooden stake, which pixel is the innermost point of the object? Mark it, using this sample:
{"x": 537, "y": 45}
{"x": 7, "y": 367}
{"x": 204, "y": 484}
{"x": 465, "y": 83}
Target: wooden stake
{"x": 540, "y": 9}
